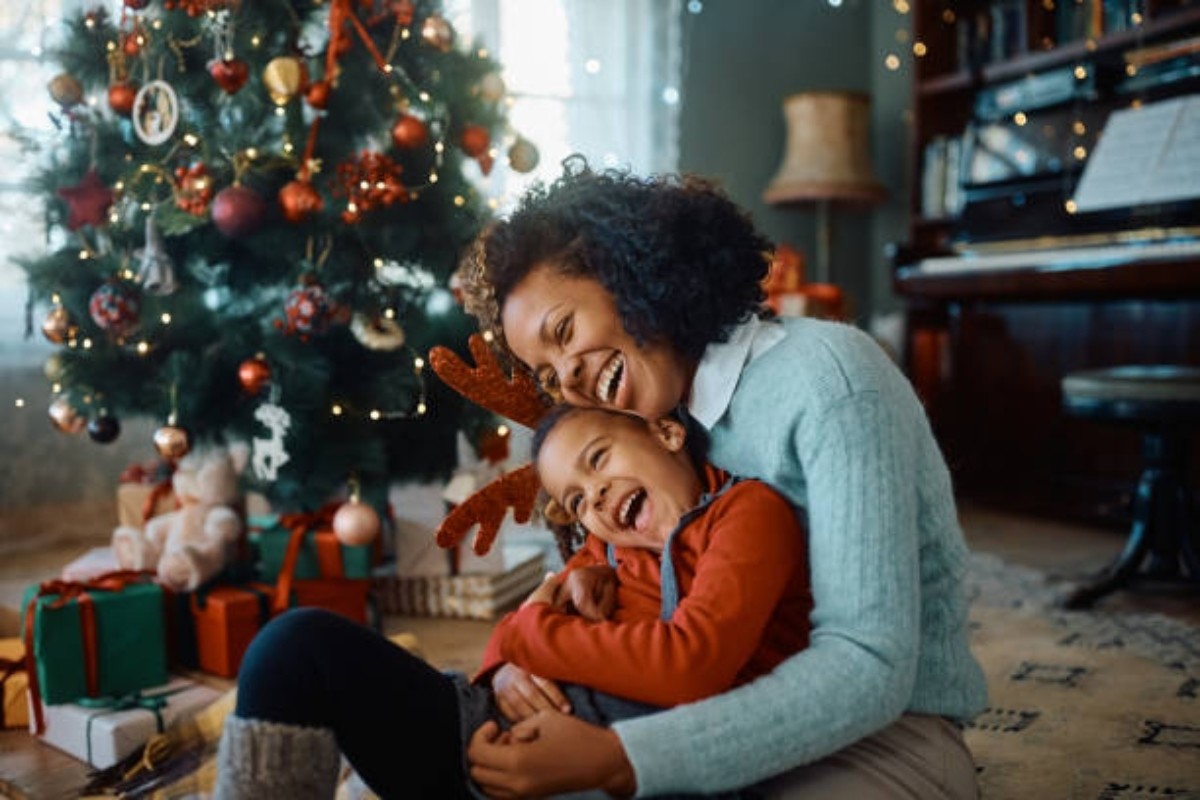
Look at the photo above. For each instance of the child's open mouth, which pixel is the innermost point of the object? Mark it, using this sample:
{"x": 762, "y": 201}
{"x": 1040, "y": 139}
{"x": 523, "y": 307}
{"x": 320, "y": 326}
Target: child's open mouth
{"x": 627, "y": 514}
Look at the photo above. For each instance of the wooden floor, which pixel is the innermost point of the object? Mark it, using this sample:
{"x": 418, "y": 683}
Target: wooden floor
{"x": 29, "y": 769}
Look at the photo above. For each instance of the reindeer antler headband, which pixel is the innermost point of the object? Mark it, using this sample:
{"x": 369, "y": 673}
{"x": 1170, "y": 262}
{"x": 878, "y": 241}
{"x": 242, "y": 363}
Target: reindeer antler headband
{"x": 515, "y": 396}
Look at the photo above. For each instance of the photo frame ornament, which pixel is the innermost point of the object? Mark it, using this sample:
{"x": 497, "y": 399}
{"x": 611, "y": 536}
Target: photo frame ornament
{"x": 155, "y": 112}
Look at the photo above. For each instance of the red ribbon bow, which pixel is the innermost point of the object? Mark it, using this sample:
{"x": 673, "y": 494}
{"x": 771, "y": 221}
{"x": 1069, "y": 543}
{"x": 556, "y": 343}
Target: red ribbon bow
{"x": 67, "y": 592}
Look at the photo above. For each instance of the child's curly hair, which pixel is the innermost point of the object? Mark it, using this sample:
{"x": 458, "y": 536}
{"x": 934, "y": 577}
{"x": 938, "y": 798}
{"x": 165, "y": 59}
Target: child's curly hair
{"x": 684, "y": 263}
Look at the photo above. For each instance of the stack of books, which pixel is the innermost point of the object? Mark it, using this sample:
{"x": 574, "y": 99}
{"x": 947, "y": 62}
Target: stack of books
{"x": 483, "y": 596}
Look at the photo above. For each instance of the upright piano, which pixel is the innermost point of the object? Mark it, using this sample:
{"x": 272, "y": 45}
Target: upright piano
{"x": 1041, "y": 257}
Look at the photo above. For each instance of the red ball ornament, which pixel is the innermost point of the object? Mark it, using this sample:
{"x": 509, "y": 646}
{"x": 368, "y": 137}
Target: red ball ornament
{"x": 121, "y": 97}
{"x": 230, "y": 74}
{"x": 131, "y": 46}
{"x": 409, "y": 133}
{"x": 474, "y": 140}
{"x": 317, "y": 94}
{"x": 115, "y": 307}
{"x": 299, "y": 201}
{"x": 355, "y": 523}
{"x": 137, "y": 5}
{"x": 238, "y": 211}
{"x": 253, "y": 374}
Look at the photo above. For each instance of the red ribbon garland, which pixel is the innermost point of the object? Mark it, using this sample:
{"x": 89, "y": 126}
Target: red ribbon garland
{"x": 67, "y": 592}
{"x": 340, "y": 11}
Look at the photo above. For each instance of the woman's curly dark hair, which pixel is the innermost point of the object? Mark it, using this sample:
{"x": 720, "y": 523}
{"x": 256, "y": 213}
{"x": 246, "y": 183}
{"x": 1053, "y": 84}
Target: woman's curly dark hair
{"x": 682, "y": 261}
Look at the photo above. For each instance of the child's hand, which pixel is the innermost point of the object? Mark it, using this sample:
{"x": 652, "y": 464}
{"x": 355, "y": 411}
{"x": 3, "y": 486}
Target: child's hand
{"x": 520, "y": 694}
{"x": 591, "y": 591}
{"x": 548, "y": 591}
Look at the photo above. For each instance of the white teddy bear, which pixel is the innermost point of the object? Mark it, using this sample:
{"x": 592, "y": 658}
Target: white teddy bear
{"x": 192, "y": 544}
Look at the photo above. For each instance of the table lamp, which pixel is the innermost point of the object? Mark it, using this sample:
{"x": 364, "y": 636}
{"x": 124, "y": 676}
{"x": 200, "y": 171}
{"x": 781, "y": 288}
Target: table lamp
{"x": 826, "y": 160}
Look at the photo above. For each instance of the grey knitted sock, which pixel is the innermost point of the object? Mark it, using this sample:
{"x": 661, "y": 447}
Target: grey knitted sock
{"x": 269, "y": 760}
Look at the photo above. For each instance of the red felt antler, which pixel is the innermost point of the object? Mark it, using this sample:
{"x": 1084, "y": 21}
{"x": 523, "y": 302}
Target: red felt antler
{"x": 488, "y": 385}
{"x": 486, "y": 508}
{"x": 516, "y": 397}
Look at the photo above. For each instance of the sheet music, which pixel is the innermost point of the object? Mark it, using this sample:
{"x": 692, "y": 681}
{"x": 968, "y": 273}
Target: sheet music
{"x": 1149, "y": 154}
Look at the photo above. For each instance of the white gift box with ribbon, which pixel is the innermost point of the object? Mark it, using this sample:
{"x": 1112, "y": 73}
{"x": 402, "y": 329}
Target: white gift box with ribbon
{"x": 103, "y": 731}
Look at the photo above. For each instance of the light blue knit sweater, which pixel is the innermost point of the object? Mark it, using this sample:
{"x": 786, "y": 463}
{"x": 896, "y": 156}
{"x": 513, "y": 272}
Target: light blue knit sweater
{"x": 827, "y": 418}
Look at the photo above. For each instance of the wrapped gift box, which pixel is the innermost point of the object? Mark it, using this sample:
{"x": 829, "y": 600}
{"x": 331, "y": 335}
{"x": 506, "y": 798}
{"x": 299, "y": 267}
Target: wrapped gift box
{"x": 92, "y": 564}
{"x": 103, "y": 731}
{"x": 134, "y": 500}
{"x": 478, "y": 596}
{"x": 321, "y": 555}
{"x": 345, "y": 596}
{"x": 121, "y": 636}
{"x": 14, "y": 681}
{"x": 226, "y": 619}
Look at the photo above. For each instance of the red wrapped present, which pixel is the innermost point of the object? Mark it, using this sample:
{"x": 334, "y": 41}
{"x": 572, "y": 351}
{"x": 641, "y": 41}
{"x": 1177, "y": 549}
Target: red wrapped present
{"x": 227, "y": 618}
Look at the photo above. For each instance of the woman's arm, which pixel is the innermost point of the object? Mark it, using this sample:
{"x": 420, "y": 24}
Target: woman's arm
{"x": 859, "y": 671}
{"x": 755, "y": 548}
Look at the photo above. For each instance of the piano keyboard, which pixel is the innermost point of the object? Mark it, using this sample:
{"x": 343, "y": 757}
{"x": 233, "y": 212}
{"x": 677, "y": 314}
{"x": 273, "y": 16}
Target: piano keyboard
{"x": 1061, "y": 258}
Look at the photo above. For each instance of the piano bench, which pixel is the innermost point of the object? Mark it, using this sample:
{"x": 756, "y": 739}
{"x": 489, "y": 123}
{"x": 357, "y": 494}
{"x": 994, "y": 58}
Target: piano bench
{"x": 1163, "y": 403}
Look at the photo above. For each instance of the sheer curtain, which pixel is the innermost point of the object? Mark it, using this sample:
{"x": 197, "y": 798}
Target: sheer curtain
{"x": 597, "y": 77}
{"x": 26, "y": 26}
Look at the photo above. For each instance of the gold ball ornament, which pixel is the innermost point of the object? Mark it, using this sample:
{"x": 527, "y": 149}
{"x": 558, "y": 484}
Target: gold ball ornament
{"x": 523, "y": 156}
{"x": 491, "y": 87}
{"x": 58, "y": 327}
{"x": 355, "y": 523}
{"x": 65, "y": 417}
{"x": 172, "y": 442}
{"x": 284, "y": 77}
{"x": 437, "y": 33}
{"x": 66, "y": 90}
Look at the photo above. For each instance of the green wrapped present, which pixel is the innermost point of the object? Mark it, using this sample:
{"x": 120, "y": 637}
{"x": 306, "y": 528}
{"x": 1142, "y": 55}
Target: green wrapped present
{"x": 320, "y": 555}
{"x": 94, "y": 638}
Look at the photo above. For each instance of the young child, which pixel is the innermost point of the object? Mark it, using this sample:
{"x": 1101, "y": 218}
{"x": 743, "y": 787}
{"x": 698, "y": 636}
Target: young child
{"x": 711, "y": 590}
{"x": 711, "y": 580}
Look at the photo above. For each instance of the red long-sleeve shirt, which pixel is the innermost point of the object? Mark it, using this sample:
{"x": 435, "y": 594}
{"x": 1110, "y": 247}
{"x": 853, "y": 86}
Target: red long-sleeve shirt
{"x": 745, "y": 600}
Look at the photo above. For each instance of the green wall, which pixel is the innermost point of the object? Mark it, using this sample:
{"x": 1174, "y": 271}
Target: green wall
{"x": 742, "y": 59}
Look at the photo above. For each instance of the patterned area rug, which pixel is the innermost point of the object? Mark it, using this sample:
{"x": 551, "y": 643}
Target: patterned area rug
{"x": 1081, "y": 704}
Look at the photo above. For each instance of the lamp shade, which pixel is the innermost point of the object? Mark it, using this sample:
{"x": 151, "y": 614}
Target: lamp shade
{"x": 827, "y": 155}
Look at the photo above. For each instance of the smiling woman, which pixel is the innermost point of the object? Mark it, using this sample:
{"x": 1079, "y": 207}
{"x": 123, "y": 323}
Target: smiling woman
{"x": 644, "y": 294}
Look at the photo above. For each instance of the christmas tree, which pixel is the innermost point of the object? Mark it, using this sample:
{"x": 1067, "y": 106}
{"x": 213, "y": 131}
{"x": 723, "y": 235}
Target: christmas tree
{"x": 254, "y": 209}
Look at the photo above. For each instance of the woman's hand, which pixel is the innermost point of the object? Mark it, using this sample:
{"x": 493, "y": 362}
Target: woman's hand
{"x": 591, "y": 591}
{"x": 549, "y": 753}
{"x": 520, "y": 695}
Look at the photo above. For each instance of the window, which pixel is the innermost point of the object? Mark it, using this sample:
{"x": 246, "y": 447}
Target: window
{"x": 25, "y": 108}
{"x": 597, "y": 77}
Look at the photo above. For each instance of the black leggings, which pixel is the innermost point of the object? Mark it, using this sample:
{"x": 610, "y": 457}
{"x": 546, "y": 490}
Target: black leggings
{"x": 395, "y": 718}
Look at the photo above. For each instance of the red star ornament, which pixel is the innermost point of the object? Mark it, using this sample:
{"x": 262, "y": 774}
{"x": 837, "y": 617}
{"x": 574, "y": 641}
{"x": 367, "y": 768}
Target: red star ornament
{"x": 87, "y": 201}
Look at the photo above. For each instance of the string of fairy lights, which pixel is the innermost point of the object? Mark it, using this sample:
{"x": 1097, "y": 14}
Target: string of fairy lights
{"x": 150, "y": 184}
{"x": 1076, "y": 144}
